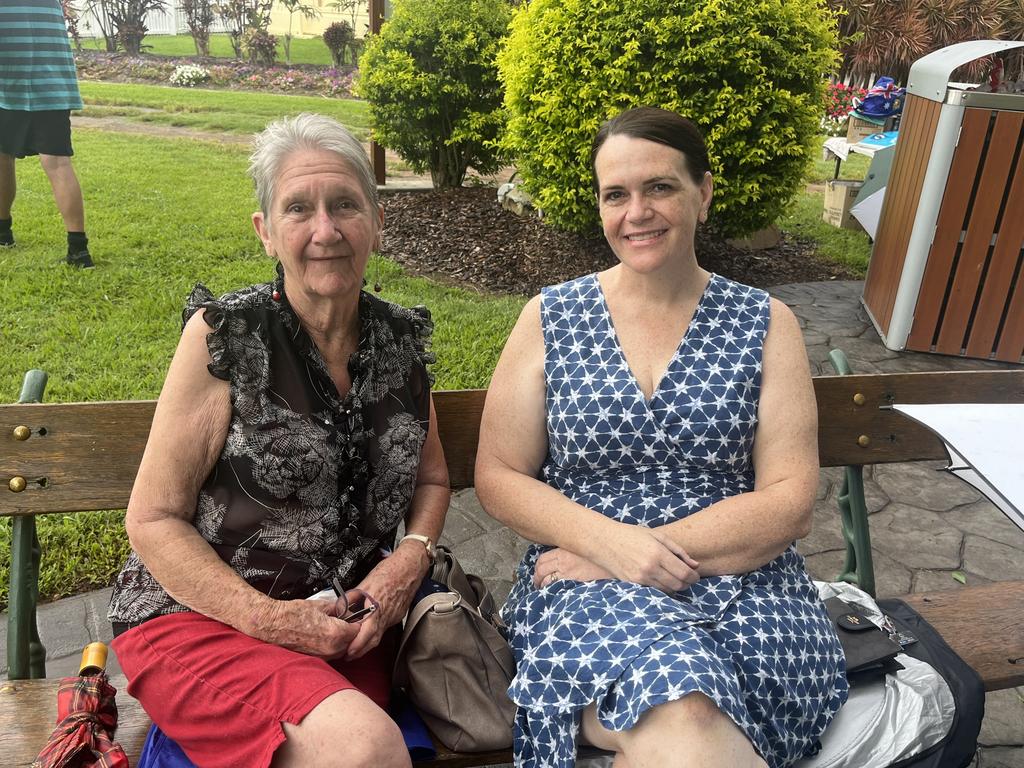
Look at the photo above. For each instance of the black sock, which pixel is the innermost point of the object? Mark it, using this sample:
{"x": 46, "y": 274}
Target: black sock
{"x": 77, "y": 242}
{"x": 5, "y": 225}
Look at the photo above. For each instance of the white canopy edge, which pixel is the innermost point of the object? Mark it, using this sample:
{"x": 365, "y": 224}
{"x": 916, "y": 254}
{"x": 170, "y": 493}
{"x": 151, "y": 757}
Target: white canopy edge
{"x": 984, "y": 445}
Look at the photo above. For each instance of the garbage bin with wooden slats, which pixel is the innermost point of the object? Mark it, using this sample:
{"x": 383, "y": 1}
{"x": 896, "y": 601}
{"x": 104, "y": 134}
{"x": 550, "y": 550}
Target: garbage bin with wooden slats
{"x": 947, "y": 269}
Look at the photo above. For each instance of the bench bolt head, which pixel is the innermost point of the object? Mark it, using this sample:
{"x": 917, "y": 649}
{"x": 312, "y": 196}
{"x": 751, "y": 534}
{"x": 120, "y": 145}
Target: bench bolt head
{"x": 859, "y": 399}
{"x": 21, "y": 432}
{"x": 863, "y": 441}
{"x": 17, "y": 484}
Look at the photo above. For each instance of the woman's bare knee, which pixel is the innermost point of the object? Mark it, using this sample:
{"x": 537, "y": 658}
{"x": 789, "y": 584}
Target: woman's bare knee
{"x": 691, "y": 731}
{"x": 346, "y": 730}
{"x": 596, "y": 735}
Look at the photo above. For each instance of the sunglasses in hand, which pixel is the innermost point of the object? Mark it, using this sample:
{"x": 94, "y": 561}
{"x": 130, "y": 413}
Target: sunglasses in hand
{"x": 354, "y": 605}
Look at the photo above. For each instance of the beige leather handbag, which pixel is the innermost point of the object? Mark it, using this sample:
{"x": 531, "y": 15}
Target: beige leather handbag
{"x": 455, "y": 663}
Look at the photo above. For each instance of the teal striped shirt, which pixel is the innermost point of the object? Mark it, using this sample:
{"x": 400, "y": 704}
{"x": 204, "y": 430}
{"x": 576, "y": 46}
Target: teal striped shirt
{"x": 37, "y": 70}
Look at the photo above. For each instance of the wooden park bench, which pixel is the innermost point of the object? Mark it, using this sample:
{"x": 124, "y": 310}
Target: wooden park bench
{"x": 84, "y": 456}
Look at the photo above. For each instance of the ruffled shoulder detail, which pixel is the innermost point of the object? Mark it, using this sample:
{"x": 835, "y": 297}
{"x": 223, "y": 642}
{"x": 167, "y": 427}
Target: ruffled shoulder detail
{"x": 412, "y": 327}
{"x": 217, "y": 339}
{"x": 422, "y": 333}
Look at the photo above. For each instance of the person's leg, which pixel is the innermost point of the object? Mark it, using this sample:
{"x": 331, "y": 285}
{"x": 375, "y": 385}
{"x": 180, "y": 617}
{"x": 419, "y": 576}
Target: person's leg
{"x": 690, "y": 731}
{"x": 369, "y": 738}
{"x": 68, "y": 194}
{"x": 8, "y": 185}
{"x": 66, "y": 190}
{"x": 8, "y": 188}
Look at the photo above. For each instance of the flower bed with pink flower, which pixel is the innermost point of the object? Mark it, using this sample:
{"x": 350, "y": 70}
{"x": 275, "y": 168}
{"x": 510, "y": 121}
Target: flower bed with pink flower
{"x": 840, "y": 100}
{"x": 223, "y": 73}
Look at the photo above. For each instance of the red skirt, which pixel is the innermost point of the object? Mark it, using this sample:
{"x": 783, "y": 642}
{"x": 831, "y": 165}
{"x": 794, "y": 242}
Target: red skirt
{"x": 222, "y": 696}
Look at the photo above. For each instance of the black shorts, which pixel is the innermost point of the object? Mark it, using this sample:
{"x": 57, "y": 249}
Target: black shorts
{"x": 35, "y": 133}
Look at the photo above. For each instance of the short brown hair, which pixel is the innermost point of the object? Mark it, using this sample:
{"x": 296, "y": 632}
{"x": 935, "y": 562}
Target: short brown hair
{"x": 659, "y": 125}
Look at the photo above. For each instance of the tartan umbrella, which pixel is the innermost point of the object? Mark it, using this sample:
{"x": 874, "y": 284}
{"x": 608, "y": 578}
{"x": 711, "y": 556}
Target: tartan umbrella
{"x": 86, "y": 719}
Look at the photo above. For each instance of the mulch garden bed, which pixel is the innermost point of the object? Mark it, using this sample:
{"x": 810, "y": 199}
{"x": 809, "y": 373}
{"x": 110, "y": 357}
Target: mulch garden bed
{"x": 464, "y": 236}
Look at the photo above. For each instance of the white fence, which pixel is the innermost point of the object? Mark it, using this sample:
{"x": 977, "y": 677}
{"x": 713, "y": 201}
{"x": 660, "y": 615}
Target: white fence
{"x": 170, "y": 21}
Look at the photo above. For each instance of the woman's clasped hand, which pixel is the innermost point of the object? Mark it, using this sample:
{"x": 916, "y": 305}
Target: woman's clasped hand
{"x": 640, "y": 555}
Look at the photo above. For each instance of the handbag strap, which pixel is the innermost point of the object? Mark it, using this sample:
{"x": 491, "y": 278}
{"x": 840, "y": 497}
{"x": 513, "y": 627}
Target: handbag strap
{"x": 485, "y": 604}
{"x": 416, "y": 614}
{"x": 448, "y": 602}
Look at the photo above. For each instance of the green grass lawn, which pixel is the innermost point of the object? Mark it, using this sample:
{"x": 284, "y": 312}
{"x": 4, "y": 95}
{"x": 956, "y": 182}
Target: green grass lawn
{"x": 855, "y": 166}
{"x": 307, "y": 50}
{"x": 162, "y": 214}
{"x": 242, "y": 112}
{"x": 843, "y": 246}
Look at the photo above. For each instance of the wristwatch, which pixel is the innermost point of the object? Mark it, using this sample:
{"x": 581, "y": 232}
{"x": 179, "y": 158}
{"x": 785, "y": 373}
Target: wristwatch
{"x": 424, "y": 540}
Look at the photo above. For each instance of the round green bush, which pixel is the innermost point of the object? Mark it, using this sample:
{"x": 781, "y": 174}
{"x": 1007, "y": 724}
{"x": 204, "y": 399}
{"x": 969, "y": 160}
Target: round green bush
{"x": 748, "y": 72}
{"x": 432, "y": 82}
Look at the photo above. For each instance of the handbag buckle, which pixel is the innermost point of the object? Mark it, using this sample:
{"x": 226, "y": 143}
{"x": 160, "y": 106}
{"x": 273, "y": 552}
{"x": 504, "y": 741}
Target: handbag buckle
{"x": 446, "y": 606}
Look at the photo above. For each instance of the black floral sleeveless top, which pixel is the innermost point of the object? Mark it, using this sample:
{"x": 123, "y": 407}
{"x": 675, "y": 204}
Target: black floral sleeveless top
{"x": 311, "y": 483}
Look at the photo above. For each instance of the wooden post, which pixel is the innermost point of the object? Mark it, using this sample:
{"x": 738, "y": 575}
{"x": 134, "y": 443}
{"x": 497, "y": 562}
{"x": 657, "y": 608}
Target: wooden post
{"x": 376, "y": 150}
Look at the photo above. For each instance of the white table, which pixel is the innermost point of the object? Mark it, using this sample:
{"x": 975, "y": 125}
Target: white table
{"x": 984, "y": 442}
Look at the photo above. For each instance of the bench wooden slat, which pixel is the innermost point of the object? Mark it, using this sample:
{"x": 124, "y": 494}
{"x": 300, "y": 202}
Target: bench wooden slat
{"x": 984, "y": 625}
{"x": 90, "y": 451}
{"x": 892, "y": 436}
{"x": 458, "y": 425}
{"x": 88, "y": 454}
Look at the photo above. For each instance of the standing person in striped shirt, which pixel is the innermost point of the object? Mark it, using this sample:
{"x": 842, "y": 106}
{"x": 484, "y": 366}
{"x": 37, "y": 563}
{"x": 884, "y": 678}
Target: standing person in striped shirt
{"x": 38, "y": 90}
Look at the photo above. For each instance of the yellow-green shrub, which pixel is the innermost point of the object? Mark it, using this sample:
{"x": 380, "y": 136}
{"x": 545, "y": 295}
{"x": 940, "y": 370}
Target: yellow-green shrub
{"x": 748, "y": 72}
{"x": 432, "y": 82}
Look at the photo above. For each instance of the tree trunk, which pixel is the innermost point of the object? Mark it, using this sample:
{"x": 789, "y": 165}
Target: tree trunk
{"x": 447, "y": 171}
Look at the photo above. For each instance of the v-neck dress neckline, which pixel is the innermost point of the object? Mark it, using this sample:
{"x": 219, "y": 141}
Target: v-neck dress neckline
{"x": 613, "y": 333}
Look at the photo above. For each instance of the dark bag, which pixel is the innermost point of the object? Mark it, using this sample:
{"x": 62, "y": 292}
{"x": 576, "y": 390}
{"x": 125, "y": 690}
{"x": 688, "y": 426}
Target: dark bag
{"x": 870, "y": 652}
{"x": 454, "y": 660}
{"x": 958, "y": 749}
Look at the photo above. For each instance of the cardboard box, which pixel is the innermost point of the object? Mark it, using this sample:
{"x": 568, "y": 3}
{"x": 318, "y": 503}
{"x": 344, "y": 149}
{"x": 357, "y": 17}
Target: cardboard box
{"x": 839, "y": 197}
{"x": 858, "y": 128}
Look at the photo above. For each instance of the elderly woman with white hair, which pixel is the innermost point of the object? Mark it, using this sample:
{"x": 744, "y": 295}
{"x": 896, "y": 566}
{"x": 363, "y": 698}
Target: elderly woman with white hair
{"x": 294, "y": 433}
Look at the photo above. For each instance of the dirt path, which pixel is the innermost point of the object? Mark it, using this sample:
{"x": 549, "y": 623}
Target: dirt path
{"x": 397, "y": 174}
{"x": 123, "y": 125}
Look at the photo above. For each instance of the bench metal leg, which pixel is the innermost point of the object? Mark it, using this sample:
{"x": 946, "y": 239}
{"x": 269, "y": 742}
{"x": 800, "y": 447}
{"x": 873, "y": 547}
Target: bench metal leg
{"x": 26, "y": 656}
{"x": 859, "y": 567}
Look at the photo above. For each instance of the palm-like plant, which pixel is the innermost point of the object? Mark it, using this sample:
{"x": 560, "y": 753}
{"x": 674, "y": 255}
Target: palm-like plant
{"x": 885, "y": 37}
{"x": 199, "y": 16}
{"x": 293, "y": 7}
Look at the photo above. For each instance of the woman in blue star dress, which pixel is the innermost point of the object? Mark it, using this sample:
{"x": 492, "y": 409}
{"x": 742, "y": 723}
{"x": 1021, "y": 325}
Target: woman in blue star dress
{"x": 652, "y": 428}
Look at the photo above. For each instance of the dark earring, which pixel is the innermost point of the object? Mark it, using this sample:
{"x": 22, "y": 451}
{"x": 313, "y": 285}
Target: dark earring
{"x": 377, "y": 287}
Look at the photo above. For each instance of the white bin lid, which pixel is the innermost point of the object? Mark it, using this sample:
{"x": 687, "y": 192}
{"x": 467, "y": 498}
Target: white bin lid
{"x": 929, "y": 76}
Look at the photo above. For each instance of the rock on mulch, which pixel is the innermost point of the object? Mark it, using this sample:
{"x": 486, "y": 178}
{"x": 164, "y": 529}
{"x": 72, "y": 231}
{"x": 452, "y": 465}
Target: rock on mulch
{"x": 464, "y": 236}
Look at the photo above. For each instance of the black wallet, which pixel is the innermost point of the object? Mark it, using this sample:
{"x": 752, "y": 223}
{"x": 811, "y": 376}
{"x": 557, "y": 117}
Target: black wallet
{"x": 870, "y": 652}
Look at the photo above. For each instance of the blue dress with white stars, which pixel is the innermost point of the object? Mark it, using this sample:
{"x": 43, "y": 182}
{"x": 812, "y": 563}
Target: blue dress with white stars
{"x": 761, "y": 644}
